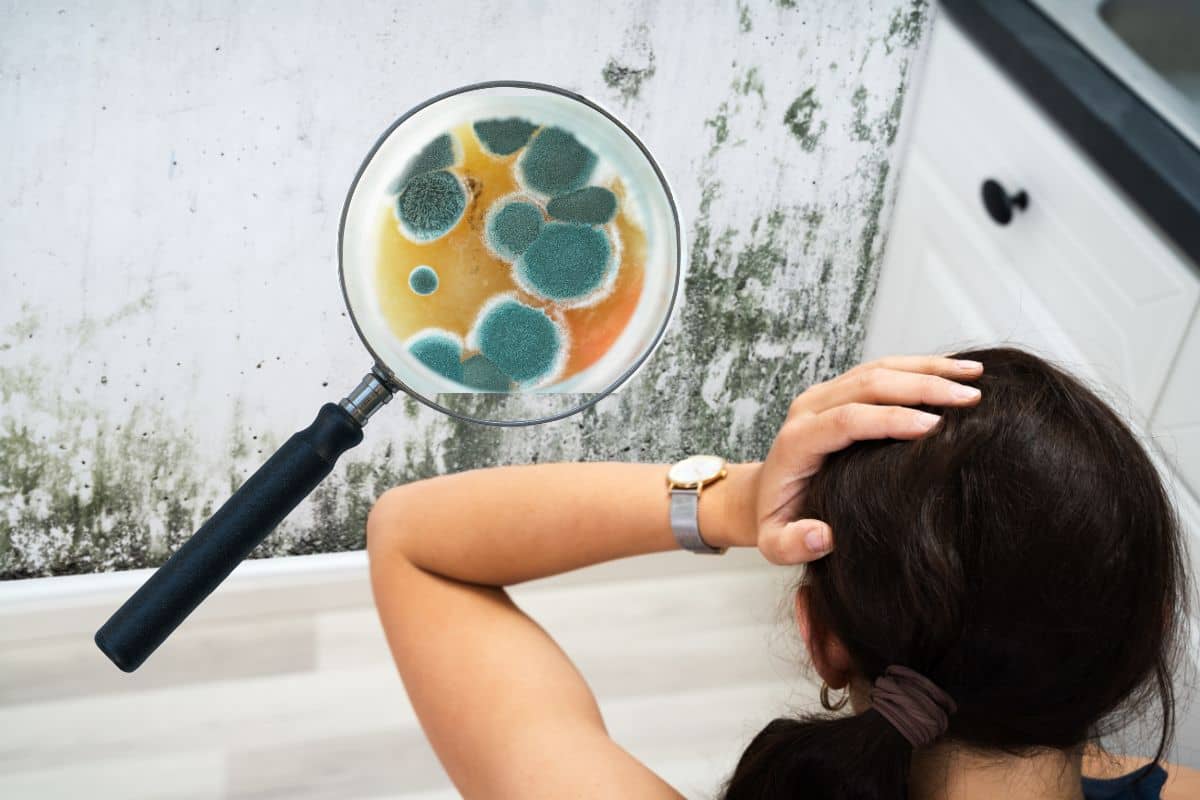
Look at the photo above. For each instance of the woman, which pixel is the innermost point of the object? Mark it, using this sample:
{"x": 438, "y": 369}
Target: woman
{"x": 1007, "y": 585}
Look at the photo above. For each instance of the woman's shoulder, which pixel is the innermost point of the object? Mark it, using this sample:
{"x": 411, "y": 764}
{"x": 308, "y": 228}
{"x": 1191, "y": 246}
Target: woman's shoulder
{"x": 1183, "y": 783}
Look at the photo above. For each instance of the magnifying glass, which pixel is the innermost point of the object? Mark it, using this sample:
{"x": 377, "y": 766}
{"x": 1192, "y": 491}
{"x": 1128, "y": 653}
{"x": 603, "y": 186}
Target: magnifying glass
{"x": 509, "y": 253}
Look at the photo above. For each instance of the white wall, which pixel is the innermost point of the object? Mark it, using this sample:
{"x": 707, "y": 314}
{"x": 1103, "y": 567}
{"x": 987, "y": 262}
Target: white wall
{"x": 172, "y": 180}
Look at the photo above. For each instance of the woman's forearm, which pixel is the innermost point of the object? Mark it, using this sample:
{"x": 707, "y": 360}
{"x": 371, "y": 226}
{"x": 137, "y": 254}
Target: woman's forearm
{"x": 505, "y": 525}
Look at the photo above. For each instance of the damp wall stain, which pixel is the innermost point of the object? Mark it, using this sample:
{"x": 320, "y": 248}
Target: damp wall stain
{"x": 906, "y": 25}
{"x": 745, "y": 21}
{"x": 626, "y": 72}
{"x": 799, "y": 119}
{"x": 156, "y": 350}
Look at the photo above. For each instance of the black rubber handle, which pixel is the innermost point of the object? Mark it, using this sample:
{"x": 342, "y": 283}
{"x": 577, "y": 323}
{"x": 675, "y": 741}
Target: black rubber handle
{"x": 1000, "y": 204}
{"x": 203, "y": 561}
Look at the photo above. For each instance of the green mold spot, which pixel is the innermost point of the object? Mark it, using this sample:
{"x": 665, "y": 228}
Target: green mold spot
{"x": 92, "y": 496}
{"x": 423, "y": 280}
{"x": 438, "y": 154}
{"x": 745, "y": 24}
{"x": 521, "y": 341}
{"x": 512, "y": 225}
{"x": 468, "y": 445}
{"x": 87, "y": 327}
{"x": 720, "y": 125}
{"x": 25, "y": 327}
{"x": 440, "y": 351}
{"x": 859, "y": 129}
{"x": 431, "y": 205}
{"x": 627, "y": 80}
{"x": 504, "y": 137}
{"x": 906, "y": 26}
{"x": 411, "y": 407}
{"x": 864, "y": 275}
{"x": 566, "y": 262}
{"x": 884, "y": 128}
{"x": 593, "y": 205}
{"x": 481, "y": 374}
{"x": 812, "y": 218}
{"x": 555, "y": 162}
{"x": 890, "y": 123}
{"x": 799, "y": 120}
{"x": 751, "y": 82}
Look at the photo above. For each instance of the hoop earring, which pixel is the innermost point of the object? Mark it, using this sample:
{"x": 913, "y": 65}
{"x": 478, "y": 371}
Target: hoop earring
{"x": 834, "y": 706}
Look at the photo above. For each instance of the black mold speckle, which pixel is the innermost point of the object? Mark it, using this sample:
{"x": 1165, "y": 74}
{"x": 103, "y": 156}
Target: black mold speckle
{"x": 627, "y": 73}
{"x": 627, "y": 80}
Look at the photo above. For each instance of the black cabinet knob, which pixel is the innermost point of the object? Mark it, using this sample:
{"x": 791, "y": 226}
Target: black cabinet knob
{"x": 1000, "y": 204}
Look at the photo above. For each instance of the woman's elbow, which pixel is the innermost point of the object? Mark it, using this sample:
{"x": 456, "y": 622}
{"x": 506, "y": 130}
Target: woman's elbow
{"x": 385, "y": 525}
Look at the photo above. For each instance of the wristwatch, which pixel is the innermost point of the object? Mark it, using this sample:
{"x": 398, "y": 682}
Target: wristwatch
{"x": 685, "y": 481}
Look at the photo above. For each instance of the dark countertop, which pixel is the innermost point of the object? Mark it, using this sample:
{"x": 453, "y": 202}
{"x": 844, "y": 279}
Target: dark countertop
{"x": 1156, "y": 166}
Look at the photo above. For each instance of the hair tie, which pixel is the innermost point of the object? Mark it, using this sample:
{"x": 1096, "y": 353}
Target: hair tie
{"x": 915, "y": 705}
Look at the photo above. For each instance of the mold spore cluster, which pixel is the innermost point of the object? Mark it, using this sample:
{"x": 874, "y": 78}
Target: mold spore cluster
{"x": 554, "y": 234}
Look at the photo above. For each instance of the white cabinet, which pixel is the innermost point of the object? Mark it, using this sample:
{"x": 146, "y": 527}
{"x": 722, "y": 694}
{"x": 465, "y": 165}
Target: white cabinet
{"x": 1079, "y": 276}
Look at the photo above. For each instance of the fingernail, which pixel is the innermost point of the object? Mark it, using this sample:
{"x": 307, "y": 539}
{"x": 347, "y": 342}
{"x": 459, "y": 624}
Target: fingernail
{"x": 967, "y": 365}
{"x": 964, "y": 392}
{"x": 817, "y": 539}
{"x": 926, "y": 420}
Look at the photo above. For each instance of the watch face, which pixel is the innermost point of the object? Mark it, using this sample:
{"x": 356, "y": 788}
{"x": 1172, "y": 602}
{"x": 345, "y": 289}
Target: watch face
{"x": 696, "y": 470}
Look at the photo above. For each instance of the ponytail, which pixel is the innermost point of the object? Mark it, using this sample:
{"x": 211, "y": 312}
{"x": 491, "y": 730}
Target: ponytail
{"x": 860, "y": 757}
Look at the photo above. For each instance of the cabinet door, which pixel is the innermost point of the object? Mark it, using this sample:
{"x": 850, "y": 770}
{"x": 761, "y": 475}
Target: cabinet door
{"x": 1098, "y": 272}
{"x": 944, "y": 285}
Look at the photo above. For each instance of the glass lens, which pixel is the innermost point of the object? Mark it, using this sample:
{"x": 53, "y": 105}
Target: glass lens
{"x": 510, "y": 253}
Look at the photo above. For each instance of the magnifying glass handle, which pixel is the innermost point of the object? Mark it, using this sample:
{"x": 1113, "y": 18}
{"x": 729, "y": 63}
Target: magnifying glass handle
{"x": 147, "y": 618}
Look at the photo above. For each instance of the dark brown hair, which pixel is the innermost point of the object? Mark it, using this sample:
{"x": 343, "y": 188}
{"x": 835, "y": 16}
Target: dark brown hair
{"x": 1024, "y": 555}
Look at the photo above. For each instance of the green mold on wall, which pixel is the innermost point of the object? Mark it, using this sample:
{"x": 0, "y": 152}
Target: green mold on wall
{"x": 745, "y": 23}
{"x": 627, "y": 80}
{"x": 906, "y": 25}
{"x": 93, "y": 495}
{"x": 799, "y": 119}
{"x": 620, "y": 72}
{"x": 776, "y": 299}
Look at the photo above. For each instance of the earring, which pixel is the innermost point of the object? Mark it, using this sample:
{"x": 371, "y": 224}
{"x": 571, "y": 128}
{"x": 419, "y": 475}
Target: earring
{"x": 834, "y": 706}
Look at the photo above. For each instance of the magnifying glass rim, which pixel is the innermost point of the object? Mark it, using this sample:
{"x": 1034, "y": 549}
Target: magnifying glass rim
{"x": 381, "y": 366}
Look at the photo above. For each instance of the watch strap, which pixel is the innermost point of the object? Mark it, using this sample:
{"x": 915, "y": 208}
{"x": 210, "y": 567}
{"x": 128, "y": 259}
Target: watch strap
{"x": 685, "y": 522}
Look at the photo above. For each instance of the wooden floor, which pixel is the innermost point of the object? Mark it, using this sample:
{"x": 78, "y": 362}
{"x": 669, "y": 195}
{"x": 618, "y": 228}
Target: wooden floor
{"x": 282, "y": 687}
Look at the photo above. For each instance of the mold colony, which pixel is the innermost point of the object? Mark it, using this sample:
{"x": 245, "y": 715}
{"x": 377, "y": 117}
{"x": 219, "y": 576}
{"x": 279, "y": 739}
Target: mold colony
{"x": 507, "y": 258}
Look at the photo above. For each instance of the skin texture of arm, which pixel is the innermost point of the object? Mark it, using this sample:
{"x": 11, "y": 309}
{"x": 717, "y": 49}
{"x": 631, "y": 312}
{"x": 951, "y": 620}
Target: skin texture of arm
{"x": 506, "y": 711}
{"x": 525, "y": 724}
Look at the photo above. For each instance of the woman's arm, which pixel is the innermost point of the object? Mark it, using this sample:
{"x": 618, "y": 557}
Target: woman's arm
{"x": 504, "y": 708}
{"x": 506, "y": 525}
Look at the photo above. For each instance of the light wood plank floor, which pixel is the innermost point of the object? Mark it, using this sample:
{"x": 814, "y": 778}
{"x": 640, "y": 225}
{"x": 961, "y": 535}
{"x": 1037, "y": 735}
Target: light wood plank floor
{"x": 259, "y": 701}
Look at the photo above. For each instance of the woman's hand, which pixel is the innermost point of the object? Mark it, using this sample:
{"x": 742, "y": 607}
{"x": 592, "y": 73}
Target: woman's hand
{"x": 865, "y": 402}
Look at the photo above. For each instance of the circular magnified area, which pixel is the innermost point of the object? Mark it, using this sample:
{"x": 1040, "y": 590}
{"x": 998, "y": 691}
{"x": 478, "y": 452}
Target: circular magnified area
{"x": 510, "y": 252}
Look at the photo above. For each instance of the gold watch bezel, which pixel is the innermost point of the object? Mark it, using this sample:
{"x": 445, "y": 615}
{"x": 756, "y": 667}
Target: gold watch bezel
{"x": 700, "y": 484}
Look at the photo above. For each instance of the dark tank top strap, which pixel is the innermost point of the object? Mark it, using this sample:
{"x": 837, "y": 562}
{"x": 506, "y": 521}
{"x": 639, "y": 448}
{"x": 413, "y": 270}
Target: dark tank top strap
{"x": 1125, "y": 787}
